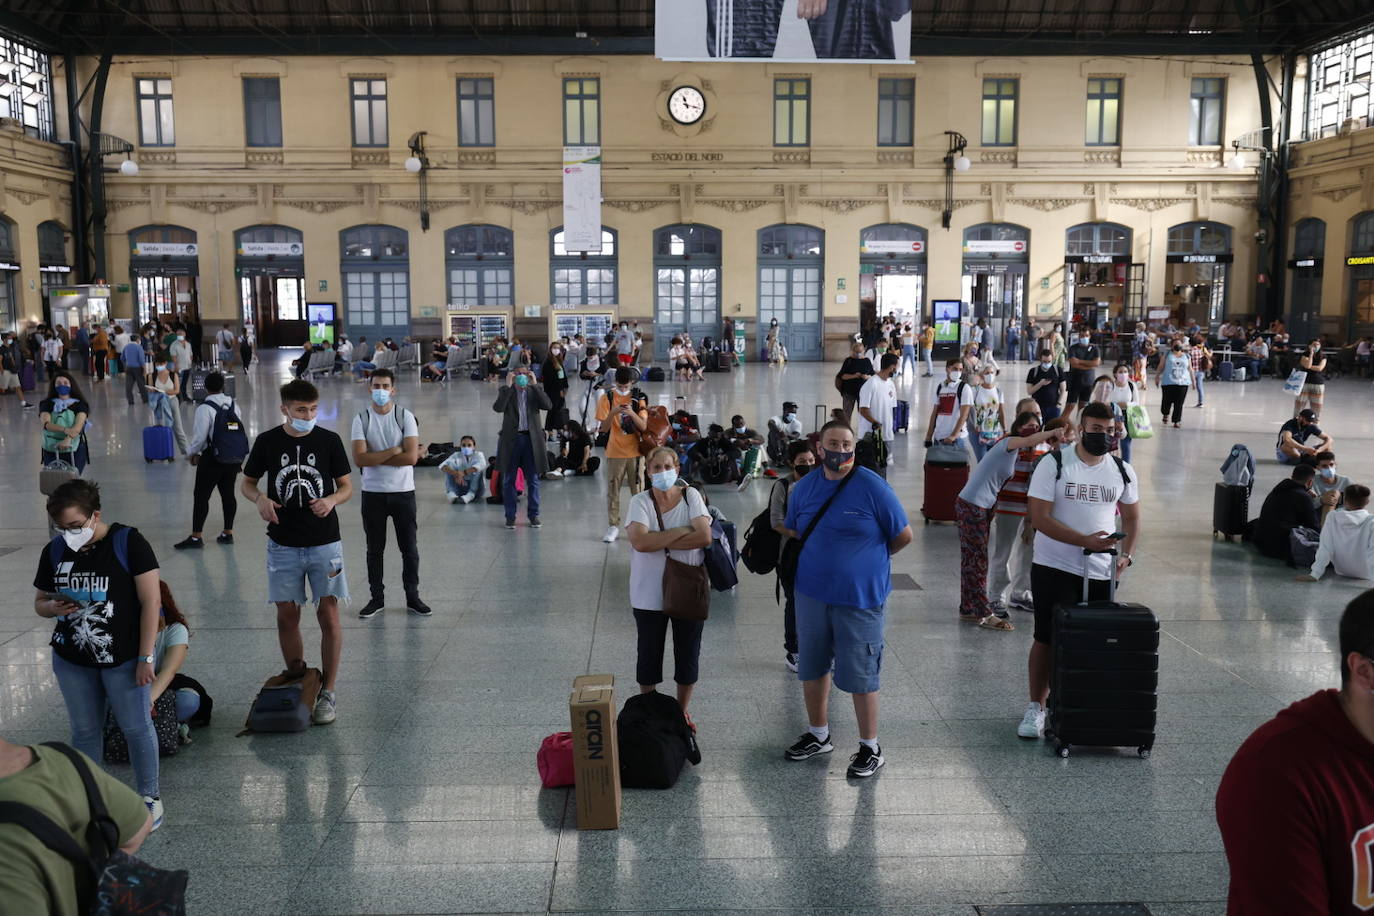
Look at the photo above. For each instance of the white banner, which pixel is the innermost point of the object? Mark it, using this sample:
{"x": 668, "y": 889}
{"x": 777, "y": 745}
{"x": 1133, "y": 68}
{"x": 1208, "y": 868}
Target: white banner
{"x": 891, "y": 247}
{"x": 166, "y": 249}
{"x": 582, "y": 198}
{"x": 277, "y": 249}
{"x": 783, "y": 30}
{"x": 994, "y": 246}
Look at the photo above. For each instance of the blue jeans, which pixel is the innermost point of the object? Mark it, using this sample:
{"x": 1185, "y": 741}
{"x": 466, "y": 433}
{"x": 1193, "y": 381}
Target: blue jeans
{"x": 908, "y": 356}
{"x": 289, "y": 568}
{"x": 87, "y": 691}
{"x": 522, "y": 457}
{"x": 1126, "y": 447}
{"x": 979, "y": 449}
{"x": 1198, "y": 377}
{"x": 925, "y": 357}
{"x": 471, "y": 485}
{"x": 361, "y": 366}
{"x": 188, "y": 703}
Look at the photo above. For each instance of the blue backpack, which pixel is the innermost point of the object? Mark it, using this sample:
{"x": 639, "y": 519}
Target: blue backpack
{"x": 228, "y": 442}
{"x": 119, "y": 537}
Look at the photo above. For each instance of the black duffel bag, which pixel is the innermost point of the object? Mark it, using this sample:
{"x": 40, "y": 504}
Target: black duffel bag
{"x": 655, "y": 741}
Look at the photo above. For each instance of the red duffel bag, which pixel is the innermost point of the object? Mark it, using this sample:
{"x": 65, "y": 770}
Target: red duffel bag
{"x": 555, "y": 761}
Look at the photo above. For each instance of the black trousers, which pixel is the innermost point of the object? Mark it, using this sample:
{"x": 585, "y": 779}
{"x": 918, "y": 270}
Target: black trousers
{"x": 400, "y": 509}
{"x": 1172, "y": 402}
{"x": 652, "y": 628}
{"x": 212, "y": 475}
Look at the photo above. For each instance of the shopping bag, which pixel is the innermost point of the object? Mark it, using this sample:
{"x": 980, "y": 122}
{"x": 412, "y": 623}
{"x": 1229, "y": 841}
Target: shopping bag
{"x": 1296, "y": 379}
{"x": 1138, "y": 422}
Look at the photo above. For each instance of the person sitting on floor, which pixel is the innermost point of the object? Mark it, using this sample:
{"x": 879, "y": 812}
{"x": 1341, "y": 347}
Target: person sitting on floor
{"x": 1301, "y": 438}
{"x": 1347, "y": 540}
{"x": 463, "y": 472}
{"x": 1328, "y": 484}
{"x": 1289, "y": 505}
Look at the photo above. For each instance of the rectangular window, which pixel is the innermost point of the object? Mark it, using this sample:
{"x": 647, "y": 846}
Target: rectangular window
{"x": 479, "y": 286}
{"x": 584, "y": 286}
{"x": 26, "y": 87}
{"x": 1339, "y": 87}
{"x": 1104, "y": 113}
{"x": 792, "y": 112}
{"x": 581, "y": 111}
{"x": 896, "y": 99}
{"x": 999, "y": 112}
{"x": 155, "y": 113}
{"x": 476, "y": 112}
{"x": 369, "y": 112}
{"x": 262, "y": 111}
{"x": 1208, "y": 104}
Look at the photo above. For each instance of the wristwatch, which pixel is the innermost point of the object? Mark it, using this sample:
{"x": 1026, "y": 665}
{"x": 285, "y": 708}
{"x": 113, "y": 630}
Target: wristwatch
{"x": 146, "y": 658}
{"x": 1129, "y": 560}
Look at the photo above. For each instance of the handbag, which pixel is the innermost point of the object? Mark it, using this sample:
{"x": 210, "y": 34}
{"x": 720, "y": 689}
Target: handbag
{"x": 555, "y": 761}
{"x": 791, "y": 551}
{"x": 686, "y": 588}
{"x": 1296, "y": 379}
{"x": 164, "y": 724}
{"x": 1138, "y": 422}
{"x": 54, "y": 474}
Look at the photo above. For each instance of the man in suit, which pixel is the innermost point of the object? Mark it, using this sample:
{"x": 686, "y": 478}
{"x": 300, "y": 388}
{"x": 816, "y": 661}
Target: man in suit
{"x": 521, "y": 446}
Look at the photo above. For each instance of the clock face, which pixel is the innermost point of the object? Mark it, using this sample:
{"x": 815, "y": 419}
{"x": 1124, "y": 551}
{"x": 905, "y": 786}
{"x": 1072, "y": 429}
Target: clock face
{"x": 687, "y": 104}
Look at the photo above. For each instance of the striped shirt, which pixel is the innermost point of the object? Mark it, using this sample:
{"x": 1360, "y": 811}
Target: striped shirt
{"x": 1011, "y": 499}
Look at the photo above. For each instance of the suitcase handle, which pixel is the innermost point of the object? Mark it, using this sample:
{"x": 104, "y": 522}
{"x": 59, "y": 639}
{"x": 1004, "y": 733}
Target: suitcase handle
{"x": 1111, "y": 578}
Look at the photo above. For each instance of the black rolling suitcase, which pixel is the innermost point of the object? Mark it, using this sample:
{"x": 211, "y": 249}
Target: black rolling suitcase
{"x": 1230, "y": 510}
{"x": 1105, "y": 675}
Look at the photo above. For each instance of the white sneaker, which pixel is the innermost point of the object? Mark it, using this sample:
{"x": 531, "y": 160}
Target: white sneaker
{"x": 452, "y": 498}
{"x": 326, "y": 708}
{"x": 154, "y": 806}
{"x": 556, "y": 472}
{"x": 1033, "y": 722}
{"x": 468, "y": 497}
{"x": 611, "y": 534}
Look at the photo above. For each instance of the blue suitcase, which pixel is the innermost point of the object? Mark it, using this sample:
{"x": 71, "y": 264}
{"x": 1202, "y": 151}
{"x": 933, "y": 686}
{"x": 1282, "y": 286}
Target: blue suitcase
{"x": 1227, "y": 371}
{"x": 901, "y": 417}
{"x": 158, "y": 443}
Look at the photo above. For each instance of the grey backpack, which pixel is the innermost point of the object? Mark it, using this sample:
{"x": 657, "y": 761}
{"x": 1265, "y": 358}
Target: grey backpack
{"x": 286, "y": 702}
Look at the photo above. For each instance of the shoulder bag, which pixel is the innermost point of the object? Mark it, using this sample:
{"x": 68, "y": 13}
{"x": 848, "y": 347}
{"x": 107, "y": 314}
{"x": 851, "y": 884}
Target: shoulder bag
{"x": 791, "y": 551}
{"x": 686, "y": 588}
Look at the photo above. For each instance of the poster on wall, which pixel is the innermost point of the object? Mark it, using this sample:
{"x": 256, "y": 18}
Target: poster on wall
{"x": 582, "y": 198}
{"x": 321, "y": 318}
{"x": 783, "y": 30}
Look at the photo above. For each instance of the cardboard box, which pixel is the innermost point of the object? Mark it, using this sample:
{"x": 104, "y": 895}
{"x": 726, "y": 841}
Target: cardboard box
{"x": 596, "y": 753}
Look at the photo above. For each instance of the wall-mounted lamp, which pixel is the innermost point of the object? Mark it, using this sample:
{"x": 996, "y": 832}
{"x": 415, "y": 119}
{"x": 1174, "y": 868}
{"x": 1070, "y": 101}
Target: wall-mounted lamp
{"x": 955, "y": 161}
{"x": 418, "y": 163}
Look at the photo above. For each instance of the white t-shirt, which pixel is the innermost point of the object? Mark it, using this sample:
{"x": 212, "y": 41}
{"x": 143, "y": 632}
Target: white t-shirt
{"x": 52, "y": 350}
{"x": 879, "y": 395}
{"x": 947, "y": 411}
{"x": 1085, "y": 498}
{"x": 225, "y": 339}
{"x": 384, "y": 432}
{"x": 985, "y": 415}
{"x": 646, "y": 569}
{"x": 1122, "y": 395}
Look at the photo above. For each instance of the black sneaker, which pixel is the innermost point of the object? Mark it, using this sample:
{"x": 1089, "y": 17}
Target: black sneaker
{"x": 808, "y": 746}
{"x": 192, "y": 543}
{"x": 510, "y": 524}
{"x": 371, "y": 609}
{"x": 865, "y": 763}
{"x": 418, "y": 607}
{"x": 536, "y": 523}
{"x": 224, "y": 538}
{"x": 790, "y": 660}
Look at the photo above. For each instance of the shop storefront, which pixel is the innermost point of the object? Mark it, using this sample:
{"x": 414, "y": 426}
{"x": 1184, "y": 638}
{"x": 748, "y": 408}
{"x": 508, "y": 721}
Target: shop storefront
{"x": 1199, "y": 261}
{"x": 1360, "y": 267}
{"x": 996, "y": 266}
{"x": 686, "y": 285}
{"x": 9, "y": 277}
{"x": 479, "y": 261}
{"x": 164, "y": 263}
{"x": 375, "y": 264}
{"x": 1305, "y": 298}
{"x": 892, "y": 273}
{"x": 791, "y": 267}
{"x": 269, "y": 262}
{"x": 1102, "y": 288}
{"x": 584, "y": 287}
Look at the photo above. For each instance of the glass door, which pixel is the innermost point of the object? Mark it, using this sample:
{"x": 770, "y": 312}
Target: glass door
{"x": 792, "y": 295}
{"x": 687, "y": 302}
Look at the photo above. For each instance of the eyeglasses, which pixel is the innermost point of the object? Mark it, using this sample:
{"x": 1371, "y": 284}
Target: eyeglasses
{"x": 73, "y": 529}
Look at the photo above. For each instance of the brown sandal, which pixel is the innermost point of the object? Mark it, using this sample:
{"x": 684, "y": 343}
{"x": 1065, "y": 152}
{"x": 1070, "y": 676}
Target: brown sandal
{"x": 993, "y": 622}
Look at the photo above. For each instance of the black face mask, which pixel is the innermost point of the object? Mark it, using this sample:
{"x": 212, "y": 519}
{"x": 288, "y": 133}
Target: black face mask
{"x": 1095, "y": 443}
{"x": 801, "y": 469}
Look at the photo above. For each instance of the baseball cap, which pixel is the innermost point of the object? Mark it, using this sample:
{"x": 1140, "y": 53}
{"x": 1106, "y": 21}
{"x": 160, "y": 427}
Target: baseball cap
{"x": 1308, "y": 414}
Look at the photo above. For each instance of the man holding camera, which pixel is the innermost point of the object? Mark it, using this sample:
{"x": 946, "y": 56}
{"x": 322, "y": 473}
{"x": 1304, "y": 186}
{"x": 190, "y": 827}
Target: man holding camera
{"x": 623, "y": 414}
{"x": 521, "y": 446}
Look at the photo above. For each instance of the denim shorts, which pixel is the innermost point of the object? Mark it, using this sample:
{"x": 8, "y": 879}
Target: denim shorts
{"x": 850, "y": 637}
{"x": 288, "y": 569}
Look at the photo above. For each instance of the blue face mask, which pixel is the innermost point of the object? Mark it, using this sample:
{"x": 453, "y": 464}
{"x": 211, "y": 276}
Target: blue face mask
{"x": 522, "y": 380}
{"x": 467, "y": 451}
{"x": 381, "y": 397}
{"x": 63, "y": 390}
{"x": 302, "y": 426}
{"x": 663, "y": 480}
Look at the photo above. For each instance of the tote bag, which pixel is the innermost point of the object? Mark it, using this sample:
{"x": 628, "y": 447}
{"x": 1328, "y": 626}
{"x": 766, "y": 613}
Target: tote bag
{"x": 1138, "y": 422}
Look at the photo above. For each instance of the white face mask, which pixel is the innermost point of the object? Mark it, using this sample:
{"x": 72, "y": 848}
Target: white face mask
{"x": 78, "y": 539}
{"x": 955, "y": 376}
{"x": 1122, "y": 378}
{"x": 663, "y": 480}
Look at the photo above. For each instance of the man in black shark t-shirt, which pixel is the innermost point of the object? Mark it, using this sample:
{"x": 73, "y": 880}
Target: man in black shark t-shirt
{"x": 305, "y": 474}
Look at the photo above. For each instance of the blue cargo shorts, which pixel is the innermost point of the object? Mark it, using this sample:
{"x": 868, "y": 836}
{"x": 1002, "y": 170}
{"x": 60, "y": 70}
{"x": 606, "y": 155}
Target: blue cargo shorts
{"x": 289, "y": 568}
{"x": 850, "y": 637}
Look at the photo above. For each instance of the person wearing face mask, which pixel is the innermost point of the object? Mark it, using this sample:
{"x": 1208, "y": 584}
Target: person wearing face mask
{"x": 162, "y": 398}
{"x": 1044, "y": 382}
{"x": 99, "y": 583}
{"x": 100, "y": 352}
{"x": 973, "y": 510}
{"x": 877, "y": 405}
{"x": 463, "y": 472}
{"x": 386, "y": 445}
{"x": 1009, "y": 572}
{"x": 307, "y": 478}
{"x": 845, "y": 525}
{"x": 988, "y": 418}
{"x": 1075, "y": 496}
{"x": 63, "y": 414}
{"x": 1347, "y": 539}
{"x": 624, "y": 343}
{"x": 1200, "y": 358}
{"x": 520, "y": 446}
{"x": 949, "y": 413}
{"x": 622, "y": 415}
{"x": 927, "y": 348}
{"x": 1314, "y": 388}
{"x": 855, "y": 370}
{"x": 1084, "y": 358}
{"x": 667, "y": 520}
{"x": 555, "y": 378}
{"x": 12, "y": 364}
{"x": 1119, "y": 395}
{"x": 576, "y": 459}
{"x": 1291, "y": 504}
{"x": 1175, "y": 375}
{"x": 182, "y": 360}
{"x": 908, "y": 338}
{"x": 1294, "y": 805}
{"x": 1328, "y": 484}
{"x": 800, "y": 459}
{"x": 217, "y": 449}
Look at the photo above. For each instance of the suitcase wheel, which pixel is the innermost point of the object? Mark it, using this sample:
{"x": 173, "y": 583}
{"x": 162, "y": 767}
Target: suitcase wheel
{"x": 149, "y": 460}
{"x": 1144, "y": 752}
{"x": 1062, "y": 750}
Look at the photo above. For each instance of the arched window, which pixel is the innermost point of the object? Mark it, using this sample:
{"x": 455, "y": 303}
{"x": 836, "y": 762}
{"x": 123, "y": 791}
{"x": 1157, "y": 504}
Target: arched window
{"x": 481, "y": 265}
{"x": 52, "y": 243}
{"x": 1098, "y": 239}
{"x": 1362, "y": 234}
{"x": 375, "y": 242}
{"x": 1309, "y": 239}
{"x": 165, "y": 263}
{"x": 687, "y": 241}
{"x": 1200, "y": 238}
{"x": 162, "y": 235}
{"x": 7, "y": 247}
{"x": 278, "y": 235}
{"x": 892, "y": 240}
{"x": 997, "y": 232}
{"x": 583, "y": 277}
{"x": 375, "y": 264}
{"x": 790, "y": 242}
{"x": 686, "y": 284}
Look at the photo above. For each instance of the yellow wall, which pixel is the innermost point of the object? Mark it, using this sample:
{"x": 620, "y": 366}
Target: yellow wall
{"x": 318, "y": 183}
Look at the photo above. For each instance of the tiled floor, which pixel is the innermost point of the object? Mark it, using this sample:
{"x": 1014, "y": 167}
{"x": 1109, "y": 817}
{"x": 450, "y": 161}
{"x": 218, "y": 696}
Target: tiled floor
{"x": 423, "y": 797}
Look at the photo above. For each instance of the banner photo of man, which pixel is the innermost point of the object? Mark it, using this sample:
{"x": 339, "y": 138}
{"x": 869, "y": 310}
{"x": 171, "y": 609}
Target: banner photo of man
{"x": 783, "y": 30}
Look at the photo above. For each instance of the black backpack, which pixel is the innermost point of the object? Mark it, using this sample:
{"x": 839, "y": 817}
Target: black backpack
{"x": 228, "y": 441}
{"x": 762, "y": 542}
{"x": 655, "y": 741}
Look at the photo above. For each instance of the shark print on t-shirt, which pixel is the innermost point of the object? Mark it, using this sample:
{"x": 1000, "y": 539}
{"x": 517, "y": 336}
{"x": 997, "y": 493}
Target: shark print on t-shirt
{"x": 294, "y": 471}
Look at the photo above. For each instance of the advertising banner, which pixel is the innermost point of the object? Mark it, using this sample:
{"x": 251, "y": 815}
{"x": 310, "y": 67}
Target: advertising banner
{"x": 272, "y": 249}
{"x": 783, "y": 30}
{"x": 166, "y": 250}
{"x": 582, "y": 198}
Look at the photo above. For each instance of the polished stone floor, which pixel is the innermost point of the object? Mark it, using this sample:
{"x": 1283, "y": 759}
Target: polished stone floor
{"x": 423, "y": 797}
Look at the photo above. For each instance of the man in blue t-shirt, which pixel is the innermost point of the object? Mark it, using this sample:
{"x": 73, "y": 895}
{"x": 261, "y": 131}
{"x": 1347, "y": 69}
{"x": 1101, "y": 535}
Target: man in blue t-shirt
{"x": 132, "y": 361}
{"x": 843, "y": 577}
